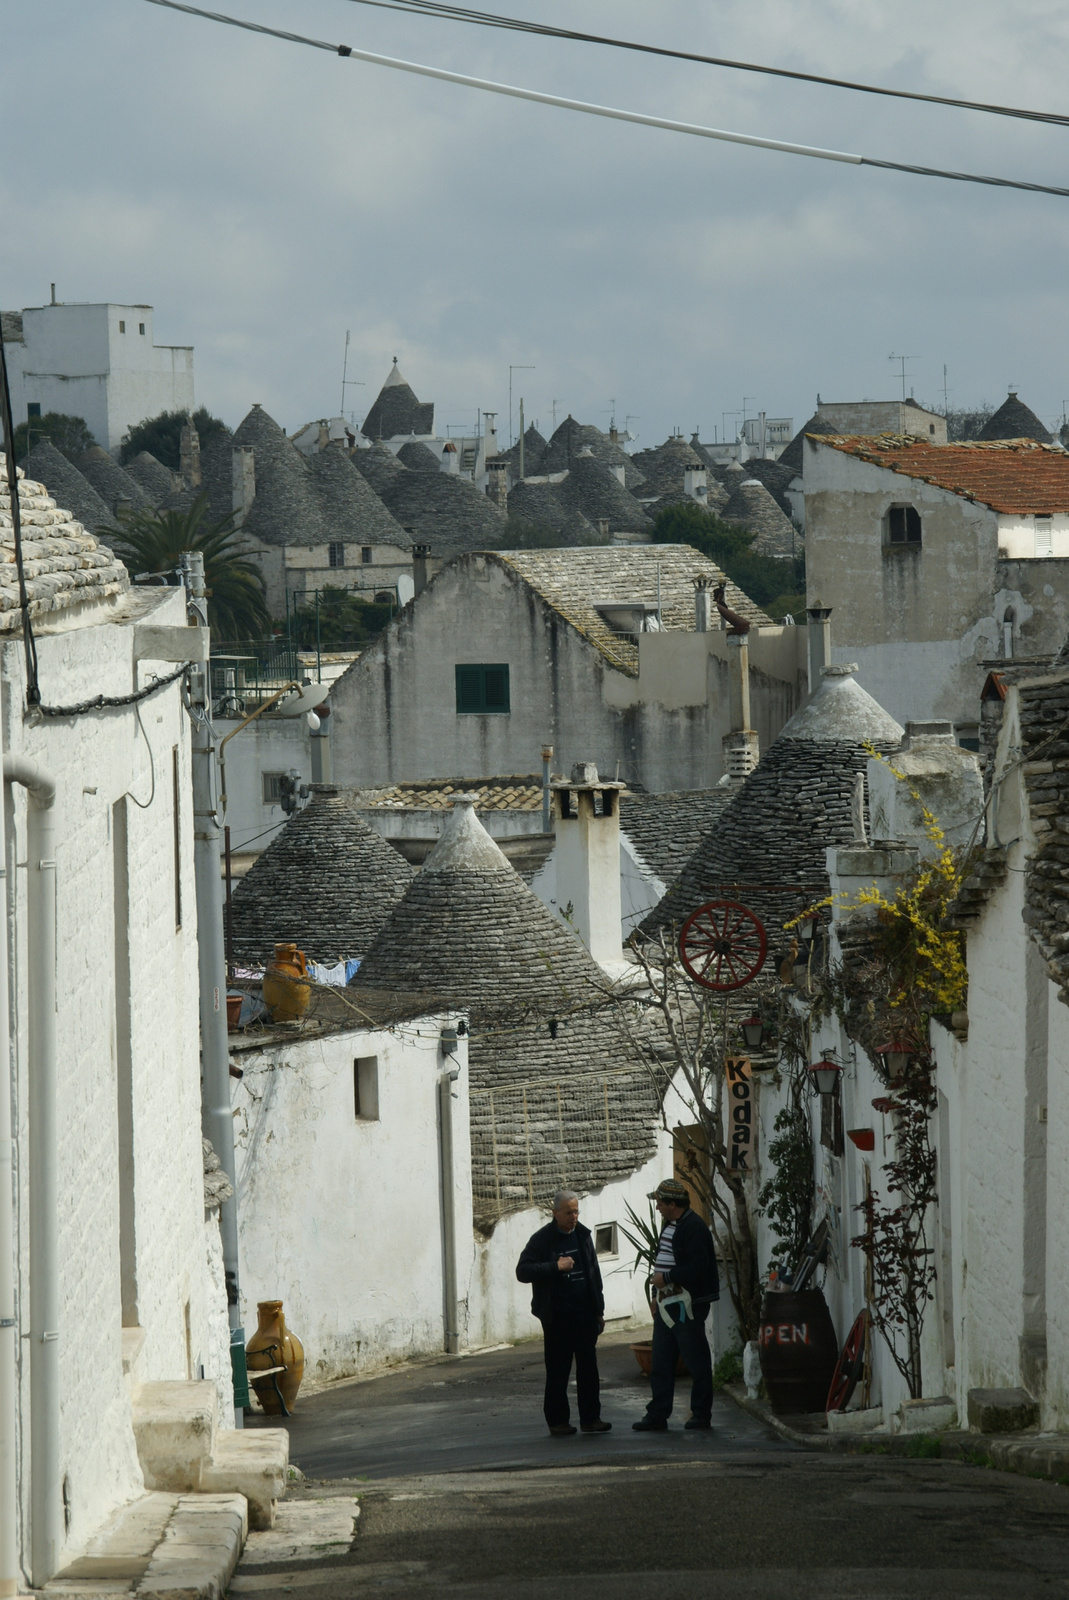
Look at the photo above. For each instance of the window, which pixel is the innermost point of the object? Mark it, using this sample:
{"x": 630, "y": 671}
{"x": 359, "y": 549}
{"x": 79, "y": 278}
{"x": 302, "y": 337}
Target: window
{"x": 33, "y": 408}
{"x": 141, "y": 327}
{"x": 931, "y": 427}
{"x": 1044, "y": 537}
{"x": 365, "y": 554}
{"x": 122, "y": 327}
{"x": 605, "y": 1240}
{"x": 272, "y": 782}
{"x": 483, "y": 689}
{"x": 366, "y": 1088}
{"x": 903, "y": 525}
{"x": 336, "y": 554}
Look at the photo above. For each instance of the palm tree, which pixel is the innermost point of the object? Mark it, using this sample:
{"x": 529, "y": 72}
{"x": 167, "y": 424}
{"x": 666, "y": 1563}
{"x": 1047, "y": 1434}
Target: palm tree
{"x": 154, "y": 541}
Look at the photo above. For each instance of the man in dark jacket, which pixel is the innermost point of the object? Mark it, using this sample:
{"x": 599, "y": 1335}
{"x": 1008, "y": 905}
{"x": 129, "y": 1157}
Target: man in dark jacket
{"x": 561, "y": 1264}
{"x": 685, "y": 1283}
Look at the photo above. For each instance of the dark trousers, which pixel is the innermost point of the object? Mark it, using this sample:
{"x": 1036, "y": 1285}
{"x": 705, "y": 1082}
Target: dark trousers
{"x": 686, "y": 1339}
{"x": 571, "y": 1336}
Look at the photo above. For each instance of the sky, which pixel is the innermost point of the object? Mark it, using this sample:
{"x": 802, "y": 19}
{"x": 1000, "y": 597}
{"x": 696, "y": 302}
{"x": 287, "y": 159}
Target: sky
{"x": 267, "y": 198}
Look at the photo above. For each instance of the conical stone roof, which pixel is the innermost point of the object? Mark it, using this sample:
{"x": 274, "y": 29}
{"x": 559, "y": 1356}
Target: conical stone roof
{"x": 538, "y": 505}
{"x": 154, "y": 478}
{"x": 549, "y": 1064}
{"x": 595, "y": 491}
{"x": 534, "y": 448}
{"x": 767, "y": 847}
{"x": 111, "y": 483}
{"x": 1014, "y": 420}
{"x": 397, "y": 411}
{"x": 417, "y": 458}
{"x": 326, "y": 882}
{"x": 663, "y": 467}
{"x": 793, "y": 456}
{"x": 68, "y": 487}
{"x": 572, "y": 437}
{"x": 751, "y": 506}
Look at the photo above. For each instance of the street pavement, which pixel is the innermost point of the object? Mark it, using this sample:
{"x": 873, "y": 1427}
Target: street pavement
{"x": 440, "y": 1480}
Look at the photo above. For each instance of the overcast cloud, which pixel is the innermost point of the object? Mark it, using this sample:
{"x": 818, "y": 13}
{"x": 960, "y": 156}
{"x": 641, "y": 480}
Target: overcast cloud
{"x": 265, "y": 198}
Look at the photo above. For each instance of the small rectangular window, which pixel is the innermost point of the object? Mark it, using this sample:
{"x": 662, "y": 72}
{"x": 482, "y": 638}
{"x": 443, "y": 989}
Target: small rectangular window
{"x": 366, "y": 1088}
{"x": 1044, "y": 537}
{"x": 272, "y": 782}
{"x": 141, "y": 327}
{"x": 903, "y": 525}
{"x": 336, "y": 554}
{"x": 483, "y": 689}
{"x": 122, "y": 327}
{"x": 605, "y": 1239}
{"x": 176, "y": 807}
{"x": 365, "y": 554}
{"x": 33, "y": 408}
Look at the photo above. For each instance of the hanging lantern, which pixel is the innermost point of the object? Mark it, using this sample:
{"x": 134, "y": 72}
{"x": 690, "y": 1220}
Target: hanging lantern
{"x": 825, "y": 1074}
{"x": 753, "y": 1031}
{"x": 896, "y": 1056}
{"x": 808, "y": 929}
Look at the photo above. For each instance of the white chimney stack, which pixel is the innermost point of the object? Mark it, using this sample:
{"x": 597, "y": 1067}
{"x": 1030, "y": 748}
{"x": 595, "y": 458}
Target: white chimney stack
{"x": 695, "y": 483}
{"x": 586, "y": 821}
{"x": 243, "y": 480}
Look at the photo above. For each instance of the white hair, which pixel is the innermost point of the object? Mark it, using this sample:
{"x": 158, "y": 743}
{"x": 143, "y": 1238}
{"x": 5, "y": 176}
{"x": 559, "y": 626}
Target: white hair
{"x": 561, "y": 1196}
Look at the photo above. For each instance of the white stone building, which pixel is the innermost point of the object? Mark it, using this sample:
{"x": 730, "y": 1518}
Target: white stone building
{"x": 98, "y": 362}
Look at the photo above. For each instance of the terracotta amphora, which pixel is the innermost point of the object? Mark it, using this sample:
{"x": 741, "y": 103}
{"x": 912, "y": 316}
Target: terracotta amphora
{"x": 273, "y": 1345}
{"x": 285, "y": 995}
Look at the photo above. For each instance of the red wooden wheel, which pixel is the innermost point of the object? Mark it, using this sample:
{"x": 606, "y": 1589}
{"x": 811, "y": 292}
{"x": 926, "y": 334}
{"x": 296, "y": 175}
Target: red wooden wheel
{"x": 722, "y": 945}
{"x": 850, "y": 1365}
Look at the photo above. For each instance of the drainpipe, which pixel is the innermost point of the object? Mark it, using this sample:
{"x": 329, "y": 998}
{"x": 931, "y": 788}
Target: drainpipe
{"x": 46, "y": 1500}
{"x": 216, "y": 1112}
{"x": 9, "y": 1552}
{"x": 547, "y": 795}
{"x": 446, "y": 1080}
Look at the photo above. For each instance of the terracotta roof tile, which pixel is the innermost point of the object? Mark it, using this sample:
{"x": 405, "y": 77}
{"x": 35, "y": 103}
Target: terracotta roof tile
{"x": 1013, "y": 476}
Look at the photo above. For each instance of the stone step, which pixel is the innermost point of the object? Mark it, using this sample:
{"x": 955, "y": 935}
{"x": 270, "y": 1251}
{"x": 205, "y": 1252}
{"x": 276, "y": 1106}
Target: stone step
{"x": 253, "y": 1463}
{"x": 175, "y": 1430}
{"x": 160, "y": 1547}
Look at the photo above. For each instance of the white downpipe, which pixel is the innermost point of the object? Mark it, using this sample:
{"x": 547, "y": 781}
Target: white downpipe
{"x": 46, "y": 1518}
{"x": 9, "y": 1333}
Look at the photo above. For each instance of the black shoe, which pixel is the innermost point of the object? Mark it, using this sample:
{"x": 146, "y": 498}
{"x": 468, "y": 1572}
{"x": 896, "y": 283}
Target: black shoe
{"x": 699, "y": 1422}
{"x": 650, "y": 1425}
{"x": 560, "y": 1429}
{"x": 596, "y": 1427}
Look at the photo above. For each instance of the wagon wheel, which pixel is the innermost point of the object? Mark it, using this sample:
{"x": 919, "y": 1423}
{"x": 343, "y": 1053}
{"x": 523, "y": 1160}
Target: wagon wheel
{"x": 850, "y": 1365}
{"x": 722, "y": 945}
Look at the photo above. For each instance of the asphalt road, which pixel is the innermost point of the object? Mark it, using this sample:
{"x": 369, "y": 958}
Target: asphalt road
{"x": 461, "y": 1494}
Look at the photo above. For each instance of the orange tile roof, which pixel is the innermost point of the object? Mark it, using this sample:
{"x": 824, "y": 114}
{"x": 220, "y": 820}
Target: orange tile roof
{"x": 1013, "y": 476}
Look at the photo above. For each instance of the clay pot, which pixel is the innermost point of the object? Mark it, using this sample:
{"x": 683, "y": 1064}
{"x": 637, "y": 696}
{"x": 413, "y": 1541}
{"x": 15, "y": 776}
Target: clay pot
{"x": 643, "y": 1351}
{"x": 273, "y": 1345}
{"x": 285, "y": 995}
{"x": 233, "y": 1011}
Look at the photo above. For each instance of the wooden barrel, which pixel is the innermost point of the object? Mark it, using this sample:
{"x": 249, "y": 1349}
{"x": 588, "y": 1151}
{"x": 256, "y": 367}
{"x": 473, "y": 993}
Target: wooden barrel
{"x": 798, "y": 1351}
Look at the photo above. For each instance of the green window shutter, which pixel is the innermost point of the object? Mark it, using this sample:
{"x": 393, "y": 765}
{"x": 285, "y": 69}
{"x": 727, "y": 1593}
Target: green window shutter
{"x": 482, "y": 688}
{"x": 496, "y": 688}
{"x": 469, "y": 689}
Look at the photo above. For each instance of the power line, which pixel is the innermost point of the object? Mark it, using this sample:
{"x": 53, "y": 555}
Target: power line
{"x": 490, "y": 19}
{"x": 562, "y": 103}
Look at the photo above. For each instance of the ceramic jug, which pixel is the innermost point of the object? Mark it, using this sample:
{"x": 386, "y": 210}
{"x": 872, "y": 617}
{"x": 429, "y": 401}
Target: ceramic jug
{"x": 285, "y": 995}
{"x": 273, "y": 1345}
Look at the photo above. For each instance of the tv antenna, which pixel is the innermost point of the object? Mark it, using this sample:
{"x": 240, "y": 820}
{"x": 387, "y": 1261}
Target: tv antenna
{"x": 902, "y": 361}
{"x": 553, "y": 404}
{"x": 347, "y": 383}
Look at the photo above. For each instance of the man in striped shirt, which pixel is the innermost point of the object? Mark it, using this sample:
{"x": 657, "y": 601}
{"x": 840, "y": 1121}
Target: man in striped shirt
{"x": 685, "y": 1283}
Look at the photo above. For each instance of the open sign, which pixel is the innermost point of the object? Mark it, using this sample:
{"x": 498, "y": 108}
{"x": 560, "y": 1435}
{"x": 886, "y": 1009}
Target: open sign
{"x": 740, "y": 1113}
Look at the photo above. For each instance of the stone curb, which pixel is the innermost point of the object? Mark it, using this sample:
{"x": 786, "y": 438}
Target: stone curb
{"x": 163, "y": 1547}
{"x": 1035, "y": 1454}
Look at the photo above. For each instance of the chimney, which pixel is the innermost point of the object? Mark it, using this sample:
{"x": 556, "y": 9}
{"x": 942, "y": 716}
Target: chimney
{"x": 320, "y": 742}
{"x": 450, "y": 457}
{"x": 490, "y": 433}
{"x": 695, "y": 483}
{"x": 547, "y": 797}
{"x": 323, "y": 438}
{"x": 603, "y": 528}
{"x": 189, "y": 455}
{"x": 706, "y": 617}
{"x": 587, "y": 826}
{"x": 618, "y": 470}
{"x": 243, "y": 480}
{"x": 497, "y": 487}
{"x": 742, "y": 751}
{"x": 421, "y": 554}
{"x": 819, "y": 641}
{"x": 614, "y": 434}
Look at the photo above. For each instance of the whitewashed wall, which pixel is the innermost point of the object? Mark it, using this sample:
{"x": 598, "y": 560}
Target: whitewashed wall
{"x": 340, "y": 1217}
{"x": 103, "y": 761}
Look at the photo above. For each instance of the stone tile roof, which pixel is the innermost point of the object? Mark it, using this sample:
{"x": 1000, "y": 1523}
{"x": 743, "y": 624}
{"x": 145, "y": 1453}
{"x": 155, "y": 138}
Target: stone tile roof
{"x": 491, "y": 794}
{"x": 572, "y": 437}
{"x": 67, "y": 486}
{"x": 751, "y": 506}
{"x": 793, "y": 456}
{"x": 776, "y": 479}
{"x": 767, "y": 848}
{"x": 1014, "y": 420}
{"x": 64, "y": 564}
{"x": 1013, "y": 476}
{"x": 11, "y": 326}
{"x": 447, "y": 512}
{"x": 418, "y": 458}
{"x": 575, "y": 582}
{"x": 534, "y": 448}
{"x": 326, "y": 882}
{"x": 396, "y": 411}
{"x": 663, "y": 467}
{"x": 111, "y": 483}
{"x": 1044, "y": 716}
{"x": 598, "y": 494}
{"x": 666, "y": 829}
{"x": 350, "y": 509}
{"x": 539, "y": 505}
{"x": 155, "y": 479}
{"x": 469, "y": 930}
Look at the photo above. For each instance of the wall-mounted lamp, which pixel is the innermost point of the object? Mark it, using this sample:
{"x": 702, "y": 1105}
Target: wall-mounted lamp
{"x": 825, "y": 1074}
{"x": 753, "y": 1031}
{"x": 896, "y": 1056}
{"x": 808, "y": 929}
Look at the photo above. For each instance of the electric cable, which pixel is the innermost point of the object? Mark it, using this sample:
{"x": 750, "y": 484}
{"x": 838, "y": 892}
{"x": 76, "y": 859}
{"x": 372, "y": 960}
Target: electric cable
{"x": 561, "y": 102}
{"x": 103, "y": 702}
{"x": 490, "y": 19}
{"x": 143, "y": 805}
